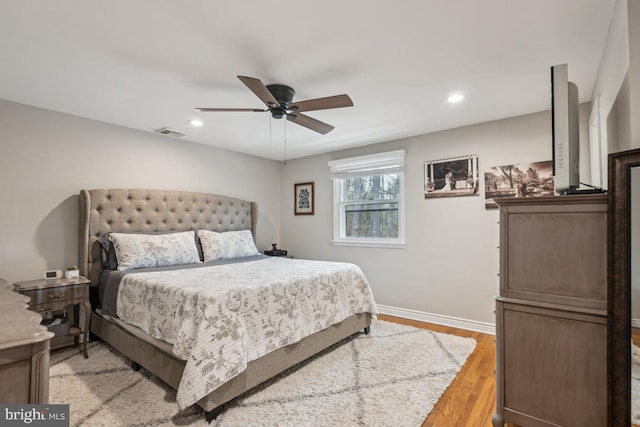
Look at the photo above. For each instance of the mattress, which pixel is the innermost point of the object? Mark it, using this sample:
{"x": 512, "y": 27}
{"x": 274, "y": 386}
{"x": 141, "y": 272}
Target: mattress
{"x": 220, "y": 317}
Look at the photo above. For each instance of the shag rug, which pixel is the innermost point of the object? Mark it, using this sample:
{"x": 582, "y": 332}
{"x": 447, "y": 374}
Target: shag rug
{"x": 392, "y": 377}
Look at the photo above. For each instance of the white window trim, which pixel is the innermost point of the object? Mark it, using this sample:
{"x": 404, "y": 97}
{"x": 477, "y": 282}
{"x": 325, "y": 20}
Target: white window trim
{"x": 388, "y": 162}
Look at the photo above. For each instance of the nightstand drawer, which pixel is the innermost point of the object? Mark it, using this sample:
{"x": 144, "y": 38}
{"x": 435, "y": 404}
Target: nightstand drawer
{"x": 54, "y": 295}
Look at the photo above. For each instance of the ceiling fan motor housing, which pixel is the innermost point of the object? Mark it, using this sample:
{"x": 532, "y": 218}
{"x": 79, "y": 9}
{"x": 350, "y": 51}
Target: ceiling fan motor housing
{"x": 284, "y": 95}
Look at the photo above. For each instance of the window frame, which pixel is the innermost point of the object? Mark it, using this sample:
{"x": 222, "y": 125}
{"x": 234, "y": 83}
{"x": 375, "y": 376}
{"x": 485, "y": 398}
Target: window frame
{"x": 375, "y": 164}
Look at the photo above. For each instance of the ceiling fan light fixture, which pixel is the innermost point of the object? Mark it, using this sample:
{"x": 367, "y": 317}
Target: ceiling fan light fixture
{"x": 278, "y": 113}
{"x": 195, "y": 122}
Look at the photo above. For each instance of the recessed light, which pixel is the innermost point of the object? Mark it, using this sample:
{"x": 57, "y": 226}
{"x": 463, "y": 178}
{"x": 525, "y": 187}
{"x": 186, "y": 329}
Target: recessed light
{"x": 456, "y": 97}
{"x": 195, "y": 122}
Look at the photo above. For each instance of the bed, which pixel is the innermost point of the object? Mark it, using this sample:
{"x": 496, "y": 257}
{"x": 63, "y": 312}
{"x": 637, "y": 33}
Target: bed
{"x": 275, "y": 327}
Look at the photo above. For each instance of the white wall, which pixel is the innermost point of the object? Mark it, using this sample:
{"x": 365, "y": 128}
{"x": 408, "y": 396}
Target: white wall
{"x": 615, "y": 60}
{"x": 618, "y": 87}
{"x": 450, "y": 264}
{"x": 616, "y": 92}
{"x": 634, "y": 72}
{"x": 47, "y": 158}
{"x": 612, "y": 75}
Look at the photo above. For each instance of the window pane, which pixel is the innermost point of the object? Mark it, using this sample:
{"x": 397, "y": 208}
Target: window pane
{"x": 379, "y": 220}
{"x": 372, "y": 187}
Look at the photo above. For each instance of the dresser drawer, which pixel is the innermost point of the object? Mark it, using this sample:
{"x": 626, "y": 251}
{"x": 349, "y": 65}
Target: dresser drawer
{"x": 54, "y": 295}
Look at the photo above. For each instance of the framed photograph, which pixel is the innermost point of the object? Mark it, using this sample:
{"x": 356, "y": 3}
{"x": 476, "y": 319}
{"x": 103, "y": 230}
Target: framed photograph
{"x": 457, "y": 176}
{"x": 521, "y": 180}
{"x": 303, "y": 198}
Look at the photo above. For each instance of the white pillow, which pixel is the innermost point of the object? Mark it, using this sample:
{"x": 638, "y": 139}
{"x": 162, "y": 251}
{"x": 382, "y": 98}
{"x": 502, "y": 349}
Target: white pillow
{"x": 230, "y": 244}
{"x": 154, "y": 250}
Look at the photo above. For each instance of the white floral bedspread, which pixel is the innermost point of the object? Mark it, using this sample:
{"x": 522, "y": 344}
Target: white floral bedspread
{"x": 219, "y": 318}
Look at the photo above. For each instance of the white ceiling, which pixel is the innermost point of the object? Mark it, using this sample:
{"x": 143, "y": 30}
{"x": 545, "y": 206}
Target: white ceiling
{"x": 146, "y": 64}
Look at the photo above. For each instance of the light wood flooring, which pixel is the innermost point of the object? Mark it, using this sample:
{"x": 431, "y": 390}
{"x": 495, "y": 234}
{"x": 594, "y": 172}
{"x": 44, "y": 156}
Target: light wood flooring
{"x": 470, "y": 400}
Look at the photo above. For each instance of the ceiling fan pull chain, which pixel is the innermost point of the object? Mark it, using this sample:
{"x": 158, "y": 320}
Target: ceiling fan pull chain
{"x": 285, "y": 142}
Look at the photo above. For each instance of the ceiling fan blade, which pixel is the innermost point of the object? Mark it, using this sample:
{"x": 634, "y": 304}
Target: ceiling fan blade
{"x": 206, "y": 109}
{"x": 337, "y": 101}
{"x": 310, "y": 123}
{"x": 261, "y": 91}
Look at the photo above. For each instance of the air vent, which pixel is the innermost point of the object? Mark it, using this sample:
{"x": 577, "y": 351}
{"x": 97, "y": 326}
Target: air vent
{"x": 170, "y": 132}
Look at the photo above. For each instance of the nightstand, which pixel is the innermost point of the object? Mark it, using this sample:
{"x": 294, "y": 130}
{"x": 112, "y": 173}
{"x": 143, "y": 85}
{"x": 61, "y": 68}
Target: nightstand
{"x": 58, "y": 294}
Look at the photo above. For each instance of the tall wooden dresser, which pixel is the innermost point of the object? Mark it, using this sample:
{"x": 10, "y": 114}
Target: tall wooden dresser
{"x": 551, "y": 315}
{"x": 24, "y": 351}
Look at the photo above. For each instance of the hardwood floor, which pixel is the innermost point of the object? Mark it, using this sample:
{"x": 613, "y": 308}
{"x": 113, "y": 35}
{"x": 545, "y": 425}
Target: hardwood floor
{"x": 470, "y": 400}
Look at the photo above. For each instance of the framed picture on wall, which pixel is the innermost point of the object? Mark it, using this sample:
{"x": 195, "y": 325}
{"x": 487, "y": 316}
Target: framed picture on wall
{"x": 303, "y": 198}
{"x": 453, "y": 177}
{"x": 533, "y": 179}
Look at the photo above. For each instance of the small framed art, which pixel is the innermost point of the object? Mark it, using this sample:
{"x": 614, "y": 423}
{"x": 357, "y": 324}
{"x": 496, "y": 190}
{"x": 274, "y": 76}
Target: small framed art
{"x": 303, "y": 198}
{"x": 457, "y": 176}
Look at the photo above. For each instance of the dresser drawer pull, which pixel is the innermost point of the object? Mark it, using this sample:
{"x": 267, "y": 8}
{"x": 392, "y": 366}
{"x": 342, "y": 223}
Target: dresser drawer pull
{"x": 58, "y": 295}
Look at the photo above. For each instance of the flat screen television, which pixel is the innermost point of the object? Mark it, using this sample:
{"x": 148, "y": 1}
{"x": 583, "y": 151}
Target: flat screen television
{"x": 565, "y": 131}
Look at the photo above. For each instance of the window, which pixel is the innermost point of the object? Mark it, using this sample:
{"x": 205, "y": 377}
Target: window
{"x": 369, "y": 200}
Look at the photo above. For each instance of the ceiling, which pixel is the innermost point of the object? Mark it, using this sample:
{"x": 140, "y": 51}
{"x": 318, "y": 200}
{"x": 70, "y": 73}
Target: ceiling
{"x": 146, "y": 64}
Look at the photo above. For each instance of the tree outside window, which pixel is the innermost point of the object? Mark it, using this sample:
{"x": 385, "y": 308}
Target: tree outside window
{"x": 368, "y": 200}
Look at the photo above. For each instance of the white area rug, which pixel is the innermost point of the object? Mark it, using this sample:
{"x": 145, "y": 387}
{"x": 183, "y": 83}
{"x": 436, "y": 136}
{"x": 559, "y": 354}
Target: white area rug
{"x": 392, "y": 377}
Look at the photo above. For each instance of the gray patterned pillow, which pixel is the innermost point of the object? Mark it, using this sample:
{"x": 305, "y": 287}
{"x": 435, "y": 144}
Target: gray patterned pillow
{"x": 230, "y": 244}
{"x": 154, "y": 250}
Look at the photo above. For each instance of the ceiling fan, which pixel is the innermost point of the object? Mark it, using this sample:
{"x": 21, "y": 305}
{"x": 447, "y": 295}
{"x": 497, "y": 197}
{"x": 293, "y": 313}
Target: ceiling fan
{"x": 279, "y": 101}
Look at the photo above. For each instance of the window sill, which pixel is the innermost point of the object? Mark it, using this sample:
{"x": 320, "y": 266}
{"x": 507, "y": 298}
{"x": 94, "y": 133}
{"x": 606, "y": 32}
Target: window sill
{"x": 369, "y": 244}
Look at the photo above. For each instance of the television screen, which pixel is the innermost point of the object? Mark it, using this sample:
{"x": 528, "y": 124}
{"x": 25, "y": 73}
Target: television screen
{"x": 565, "y": 131}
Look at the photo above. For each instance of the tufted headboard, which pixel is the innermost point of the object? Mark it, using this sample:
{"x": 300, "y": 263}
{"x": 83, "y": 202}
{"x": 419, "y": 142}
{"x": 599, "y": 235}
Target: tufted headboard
{"x": 150, "y": 211}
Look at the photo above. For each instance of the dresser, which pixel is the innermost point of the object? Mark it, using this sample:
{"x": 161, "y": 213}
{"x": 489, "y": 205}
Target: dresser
{"x": 551, "y": 313}
{"x": 24, "y": 351}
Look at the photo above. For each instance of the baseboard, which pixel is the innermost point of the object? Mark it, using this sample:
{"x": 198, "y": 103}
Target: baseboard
{"x": 635, "y": 323}
{"x": 439, "y": 319}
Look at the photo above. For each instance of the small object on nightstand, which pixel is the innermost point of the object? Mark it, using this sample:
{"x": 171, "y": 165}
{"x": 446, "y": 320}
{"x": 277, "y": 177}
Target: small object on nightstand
{"x": 57, "y": 323}
{"x": 56, "y": 294}
{"x": 275, "y": 251}
{"x": 52, "y": 274}
{"x": 72, "y": 272}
